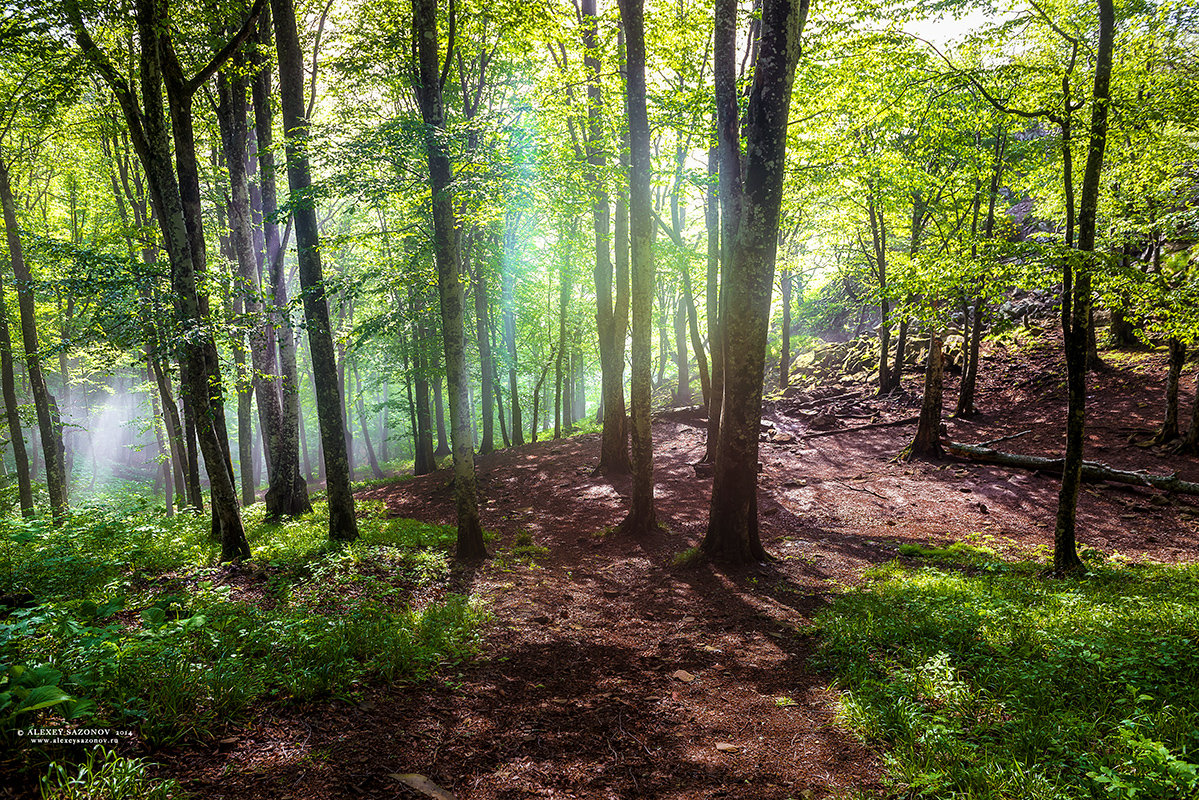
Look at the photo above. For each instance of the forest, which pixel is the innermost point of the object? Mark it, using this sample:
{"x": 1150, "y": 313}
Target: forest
{"x": 766, "y": 399}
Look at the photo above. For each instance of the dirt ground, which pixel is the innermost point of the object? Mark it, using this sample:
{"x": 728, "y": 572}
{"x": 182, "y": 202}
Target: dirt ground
{"x": 610, "y": 672}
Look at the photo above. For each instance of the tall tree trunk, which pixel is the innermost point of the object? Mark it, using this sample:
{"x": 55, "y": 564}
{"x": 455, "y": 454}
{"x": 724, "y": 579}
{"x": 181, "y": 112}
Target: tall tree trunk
{"x": 445, "y": 243}
{"x": 785, "y": 356}
{"x": 712, "y": 302}
{"x": 642, "y": 517}
{"x": 12, "y": 411}
{"x": 232, "y": 117}
{"x": 878, "y": 238}
{"x": 443, "y": 445}
{"x": 565, "y": 288}
{"x": 732, "y": 533}
{"x": 486, "y": 363}
{"x": 508, "y": 301}
{"x": 682, "y": 392}
{"x": 1169, "y": 428}
{"x": 697, "y": 344}
{"x": 343, "y": 525}
{"x": 371, "y": 459}
{"x": 1065, "y": 553}
{"x": 152, "y": 139}
{"x": 927, "y": 442}
{"x": 425, "y": 460}
{"x": 49, "y": 423}
{"x": 282, "y": 498}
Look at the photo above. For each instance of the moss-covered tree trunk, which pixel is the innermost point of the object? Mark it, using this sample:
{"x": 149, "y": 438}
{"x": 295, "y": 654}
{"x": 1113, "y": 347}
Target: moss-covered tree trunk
{"x": 343, "y": 525}
{"x": 445, "y": 244}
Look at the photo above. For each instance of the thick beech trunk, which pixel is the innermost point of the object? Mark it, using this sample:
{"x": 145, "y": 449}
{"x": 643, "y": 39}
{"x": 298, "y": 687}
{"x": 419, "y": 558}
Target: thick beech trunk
{"x": 732, "y": 533}
{"x": 343, "y": 525}
{"x": 927, "y": 442}
{"x": 445, "y": 244}
{"x": 642, "y": 517}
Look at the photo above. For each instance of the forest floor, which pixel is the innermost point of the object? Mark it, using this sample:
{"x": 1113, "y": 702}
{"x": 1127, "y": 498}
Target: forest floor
{"x": 611, "y": 670}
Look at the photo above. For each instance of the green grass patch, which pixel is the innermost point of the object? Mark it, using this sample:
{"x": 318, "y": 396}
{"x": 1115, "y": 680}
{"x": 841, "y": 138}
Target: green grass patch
{"x": 997, "y": 682}
{"x": 134, "y": 622}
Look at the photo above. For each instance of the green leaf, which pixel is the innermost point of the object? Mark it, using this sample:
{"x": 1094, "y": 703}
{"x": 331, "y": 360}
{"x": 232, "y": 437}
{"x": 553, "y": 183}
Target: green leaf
{"x": 42, "y": 697}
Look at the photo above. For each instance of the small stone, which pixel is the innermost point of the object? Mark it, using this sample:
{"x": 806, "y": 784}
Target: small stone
{"x": 725, "y": 747}
{"x": 683, "y": 676}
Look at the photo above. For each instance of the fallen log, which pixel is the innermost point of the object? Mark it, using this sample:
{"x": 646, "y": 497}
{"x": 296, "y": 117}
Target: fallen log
{"x": 904, "y": 421}
{"x": 1092, "y": 471}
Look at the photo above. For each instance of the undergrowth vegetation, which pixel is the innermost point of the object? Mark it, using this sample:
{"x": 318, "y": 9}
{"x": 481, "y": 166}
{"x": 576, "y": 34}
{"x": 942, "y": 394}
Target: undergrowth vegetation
{"x": 980, "y": 678}
{"x": 130, "y": 621}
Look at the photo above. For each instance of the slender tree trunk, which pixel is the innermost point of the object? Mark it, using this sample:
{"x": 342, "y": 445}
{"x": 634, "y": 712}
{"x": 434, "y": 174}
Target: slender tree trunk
{"x": 343, "y": 525}
{"x": 371, "y": 459}
{"x": 565, "y": 289}
{"x": 424, "y": 459}
{"x": 445, "y": 241}
{"x": 682, "y": 393}
{"x": 486, "y": 363}
{"x": 785, "y": 357}
{"x": 1065, "y": 554}
{"x": 732, "y": 533}
{"x": 443, "y": 445}
{"x": 508, "y": 301}
{"x": 11, "y": 410}
{"x": 697, "y": 344}
{"x": 49, "y": 423}
{"x": 1169, "y": 429}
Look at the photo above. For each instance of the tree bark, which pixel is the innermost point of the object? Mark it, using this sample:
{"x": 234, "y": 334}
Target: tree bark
{"x": 486, "y": 363}
{"x": 712, "y": 305}
{"x": 343, "y": 525}
{"x": 927, "y": 442}
{"x": 425, "y": 460}
{"x": 785, "y": 355}
{"x": 508, "y": 301}
{"x": 1169, "y": 429}
{"x": 285, "y": 496}
{"x": 682, "y": 392}
{"x": 12, "y": 413}
{"x": 642, "y": 516}
{"x": 732, "y": 533}
{"x": 151, "y": 139}
{"x": 1065, "y": 553}
{"x": 49, "y": 423}
{"x": 445, "y": 241}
